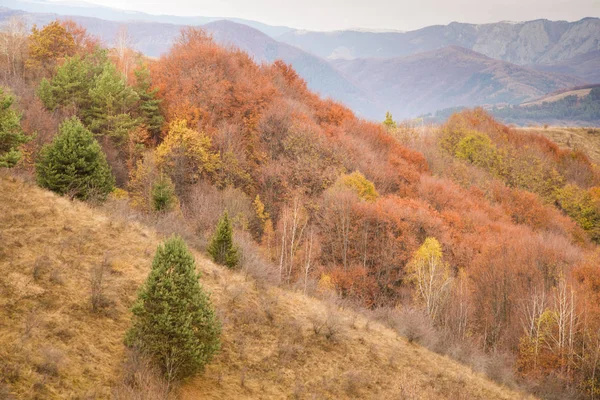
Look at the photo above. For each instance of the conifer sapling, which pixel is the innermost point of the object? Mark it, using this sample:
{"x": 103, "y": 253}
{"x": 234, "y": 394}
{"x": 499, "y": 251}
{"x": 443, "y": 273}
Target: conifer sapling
{"x": 221, "y": 248}
{"x": 174, "y": 322}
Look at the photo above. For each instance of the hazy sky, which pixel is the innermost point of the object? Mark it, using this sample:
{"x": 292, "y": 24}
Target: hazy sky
{"x": 371, "y": 14}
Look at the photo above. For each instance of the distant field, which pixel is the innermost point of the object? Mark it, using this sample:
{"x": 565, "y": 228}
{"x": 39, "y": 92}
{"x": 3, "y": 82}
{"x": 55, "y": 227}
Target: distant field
{"x": 585, "y": 139}
{"x": 555, "y": 97}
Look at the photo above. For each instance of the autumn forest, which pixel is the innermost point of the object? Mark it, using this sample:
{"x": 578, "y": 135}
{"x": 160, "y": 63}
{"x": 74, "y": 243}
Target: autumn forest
{"x": 488, "y": 234}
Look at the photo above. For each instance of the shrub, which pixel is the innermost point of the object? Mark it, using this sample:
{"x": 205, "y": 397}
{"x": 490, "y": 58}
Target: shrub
{"x": 74, "y": 164}
{"x": 174, "y": 322}
{"x": 221, "y": 247}
{"x": 97, "y": 286}
{"x": 580, "y": 205}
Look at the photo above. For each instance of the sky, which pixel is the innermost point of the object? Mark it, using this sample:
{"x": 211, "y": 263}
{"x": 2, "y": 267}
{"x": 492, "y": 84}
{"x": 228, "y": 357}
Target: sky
{"x": 327, "y": 15}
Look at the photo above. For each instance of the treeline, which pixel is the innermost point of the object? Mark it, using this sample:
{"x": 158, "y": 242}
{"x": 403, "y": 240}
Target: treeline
{"x": 486, "y": 232}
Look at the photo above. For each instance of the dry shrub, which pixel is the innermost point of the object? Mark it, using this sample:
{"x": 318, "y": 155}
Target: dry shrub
{"x": 268, "y": 303}
{"x": 288, "y": 351}
{"x": 203, "y": 204}
{"x": 235, "y": 293}
{"x": 329, "y": 325}
{"x": 51, "y": 361}
{"x": 554, "y": 387}
{"x": 252, "y": 261}
{"x": 354, "y": 380}
{"x": 9, "y": 373}
{"x": 116, "y": 161}
{"x": 299, "y": 390}
{"x": 98, "y": 298}
{"x": 500, "y": 368}
{"x": 56, "y": 277}
{"x": 41, "y": 266}
{"x": 411, "y": 323}
{"x": 292, "y": 331}
{"x": 140, "y": 380}
{"x": 166, "y": 223}
{"x": 173, "y": 222}
{"x": 33, "y": 320}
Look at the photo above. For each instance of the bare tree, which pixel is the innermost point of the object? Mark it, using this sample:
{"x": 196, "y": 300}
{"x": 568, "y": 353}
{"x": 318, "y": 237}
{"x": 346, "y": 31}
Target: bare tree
{"x": 308, "y": 256}
{"x": 13, "y": 40}
{"x": 123, "y": 44}
{"x": 532, "y": 311}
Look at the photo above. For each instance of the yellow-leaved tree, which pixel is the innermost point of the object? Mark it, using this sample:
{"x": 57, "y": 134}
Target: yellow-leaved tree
{"x": 186, "y": 155}
{"x": 364, "y": 188}
{"x": 431, "y": 277}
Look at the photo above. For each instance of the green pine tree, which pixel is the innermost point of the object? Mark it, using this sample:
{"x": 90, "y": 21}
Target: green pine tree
{"x": 74, "y": 164}
{"x": 221, "y": 248}
{"x": 11, "y": 134}
{"x": 112, "y": 101}
{"x": 69, "y": 87}
{"x": 149, "y": 104}
{"x": 173, "y": 320}
{"x": 163, "y": 194}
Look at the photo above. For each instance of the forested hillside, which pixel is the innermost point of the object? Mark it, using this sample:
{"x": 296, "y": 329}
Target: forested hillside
{"x": 487, "y": 237}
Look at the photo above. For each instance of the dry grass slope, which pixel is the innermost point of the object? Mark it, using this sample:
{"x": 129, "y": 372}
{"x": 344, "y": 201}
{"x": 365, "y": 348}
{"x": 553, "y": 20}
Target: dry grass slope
{"x": 276, "y": 343}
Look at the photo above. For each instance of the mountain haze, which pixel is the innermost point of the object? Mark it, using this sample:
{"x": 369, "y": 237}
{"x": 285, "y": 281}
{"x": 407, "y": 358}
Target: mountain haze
{"x": 586, "y": 66}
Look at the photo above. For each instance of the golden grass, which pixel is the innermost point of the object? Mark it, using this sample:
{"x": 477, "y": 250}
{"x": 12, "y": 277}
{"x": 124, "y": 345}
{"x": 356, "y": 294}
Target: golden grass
{"x": 584, "y": 139}
{"x": 53, "y": 346}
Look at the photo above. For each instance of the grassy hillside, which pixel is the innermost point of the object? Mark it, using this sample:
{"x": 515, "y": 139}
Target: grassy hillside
{"x": 53, "y": 346}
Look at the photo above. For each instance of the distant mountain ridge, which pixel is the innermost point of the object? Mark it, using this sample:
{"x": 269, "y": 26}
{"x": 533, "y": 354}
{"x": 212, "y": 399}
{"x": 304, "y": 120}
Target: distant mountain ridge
{"x": 532, "y": 42}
